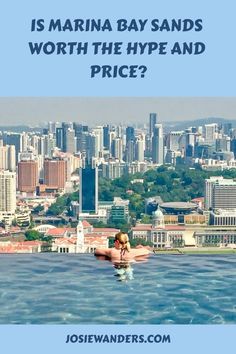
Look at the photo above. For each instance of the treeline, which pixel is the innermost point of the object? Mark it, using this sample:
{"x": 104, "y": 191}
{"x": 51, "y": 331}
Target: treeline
{"x": 179, "y": 184}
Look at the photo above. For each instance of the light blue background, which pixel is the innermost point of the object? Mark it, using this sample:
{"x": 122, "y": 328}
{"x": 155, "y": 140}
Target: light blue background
{"x": 210, "y": 74}
{"x": 51, "y": 339}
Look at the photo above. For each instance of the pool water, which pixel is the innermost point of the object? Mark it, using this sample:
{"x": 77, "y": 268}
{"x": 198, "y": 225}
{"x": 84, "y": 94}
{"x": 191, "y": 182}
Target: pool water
{"x": 80, "y": 289}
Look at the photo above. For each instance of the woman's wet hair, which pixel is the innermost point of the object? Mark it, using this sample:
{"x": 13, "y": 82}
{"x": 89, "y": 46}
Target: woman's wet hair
{"x": 123, "y": 239}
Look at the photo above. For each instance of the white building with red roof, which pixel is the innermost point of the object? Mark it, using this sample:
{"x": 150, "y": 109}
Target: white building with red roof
{"x": 159, "y": 234}
{"x": 83, "y": 239}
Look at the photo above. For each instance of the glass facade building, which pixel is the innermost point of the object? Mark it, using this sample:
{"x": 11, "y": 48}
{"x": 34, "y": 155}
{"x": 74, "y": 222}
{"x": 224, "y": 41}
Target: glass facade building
{"x": 89, "y": 190}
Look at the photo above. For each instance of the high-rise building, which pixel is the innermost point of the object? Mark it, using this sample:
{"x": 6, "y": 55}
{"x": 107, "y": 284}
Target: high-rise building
{"x": 130, "y": 151}
{"x": 55, "y": 173}
{"x": 92, "y": 146}
{"x": 173, "y": 140}
{"x": 106, "y": 130}
{"x": 52, "y": 127}
{"x": 8, "y": 158}
{"x": 59, "y": 138}
{"x": 129, "y": 134}
{"x": 233, "y": 146}
{"x": 220, "y": 193}
{"x": 117, "y": 148}
{"x": 70, "y": 143}
{"x": 27, "y": 176}
{"x": 227, "y": 128}
{"x": 49, "y": 145}
{"x": 157, "y": 145}
{"x": 152, "y": 123}
{"x": 98, "y": 131}
{"x": 140, "y": 147}
{"x": 88, "y": 200}
{"x": 16, "y": 140}
{"x": 7, "y": 192}
{"x": 210, "y": 133}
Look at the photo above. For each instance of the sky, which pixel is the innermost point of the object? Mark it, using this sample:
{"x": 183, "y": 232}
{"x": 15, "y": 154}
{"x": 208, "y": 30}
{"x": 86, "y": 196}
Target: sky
{"x": 35, "y": 111}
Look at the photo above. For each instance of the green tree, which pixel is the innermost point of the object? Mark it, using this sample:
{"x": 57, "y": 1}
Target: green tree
{"x": 139, "y": 241}
{"x": 32, "y": 235}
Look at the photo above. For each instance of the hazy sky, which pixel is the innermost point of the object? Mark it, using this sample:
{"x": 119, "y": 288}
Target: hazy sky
{"x": 97, "y": 110}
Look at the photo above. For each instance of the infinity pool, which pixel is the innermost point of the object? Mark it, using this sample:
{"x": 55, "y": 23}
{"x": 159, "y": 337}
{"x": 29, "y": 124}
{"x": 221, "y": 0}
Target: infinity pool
{"x": 79, "y": 289}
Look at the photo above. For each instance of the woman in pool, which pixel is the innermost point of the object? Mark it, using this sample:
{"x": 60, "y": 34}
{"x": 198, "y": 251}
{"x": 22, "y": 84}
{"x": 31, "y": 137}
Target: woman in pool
{"x": 122, "y": 250}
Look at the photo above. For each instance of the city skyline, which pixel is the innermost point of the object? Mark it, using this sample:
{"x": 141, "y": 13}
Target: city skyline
{"x": 112, "y": 110}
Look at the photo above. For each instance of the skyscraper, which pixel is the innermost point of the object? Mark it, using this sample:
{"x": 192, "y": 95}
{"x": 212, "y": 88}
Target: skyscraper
{"x": 220, "y": 193}
{"x": 88, "y": 200}
{"x": 27, "y": 176}
{"x": 129, "y": 134}
{"x": 157, "y": 145}
{"x": 210, "y": 133}
{"x": 7, "y": 192}
{"x": 70, "y": 144}
{"x": 59, "y": 138}
{"x": 16, "y": 140}
{"x": 106, "y": 130}
{"x": 140, "y": 146}
{"x": 8, "y": 158}
{"x": 117, "y": 149}
{"x": 152, "y": 122}
{"x": 55, "y": 173}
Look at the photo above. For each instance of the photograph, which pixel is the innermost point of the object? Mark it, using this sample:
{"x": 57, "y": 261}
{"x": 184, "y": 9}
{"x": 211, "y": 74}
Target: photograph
{"x": 117, "y": 210}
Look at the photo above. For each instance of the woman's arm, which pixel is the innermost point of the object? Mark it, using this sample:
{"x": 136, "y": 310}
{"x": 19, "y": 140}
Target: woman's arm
{"x": 142, "y": 251}
{"x": 102, "y": 252}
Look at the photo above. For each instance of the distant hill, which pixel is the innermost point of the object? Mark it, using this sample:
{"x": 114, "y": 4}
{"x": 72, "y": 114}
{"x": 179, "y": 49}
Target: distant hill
{"x": 195, "y": 123}
{"x": 19, "y": 128}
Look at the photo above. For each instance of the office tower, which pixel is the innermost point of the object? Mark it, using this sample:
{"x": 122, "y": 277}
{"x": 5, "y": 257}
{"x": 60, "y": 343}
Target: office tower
{"x": 233, "y": 147}
{"x": 117, "y": 148}
{"x": 106, "y": 130}
{"x": 34, "y": 143}
{"x": 152, "y": 123}
{"x": 70, "y": 142}
{"x": 52, "y": 127}
{"x": 41, "y": 145}
{"x": 98, "y": 131}
{"x": 139, "y": 148}
{"x": 49, "y": 145}
{"x": 7, "y": 192}
{"x": 130, "y": 151}
{"x": 220, "y": 193}
{"x": 129, "y": 134}
{"x": 173, "y": 140}
{"x": 55, "y": 173}
{"x": 111, "y": 137}
{"x": 189, "y": 151}
{"x": 190, "y": 143}
{"x": 209, "y": 133}
{"x": 227, "y": 128}
{"x": 223, "y": 143}
{"x": 25, "y": 141}
{"x": 59, "y": 138}
{"x": 65, "y": 126}
{"x": 27, "y": 176}
{"x": 119, "y": 131}
{"x": 81, "y": 141}
{"x": 88, "y": 200}
{"x": 8, "y": 158}
{"x": 16, "y": 140}
{"x": 92, "y": 146}
{"x": 157, "y": 145}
